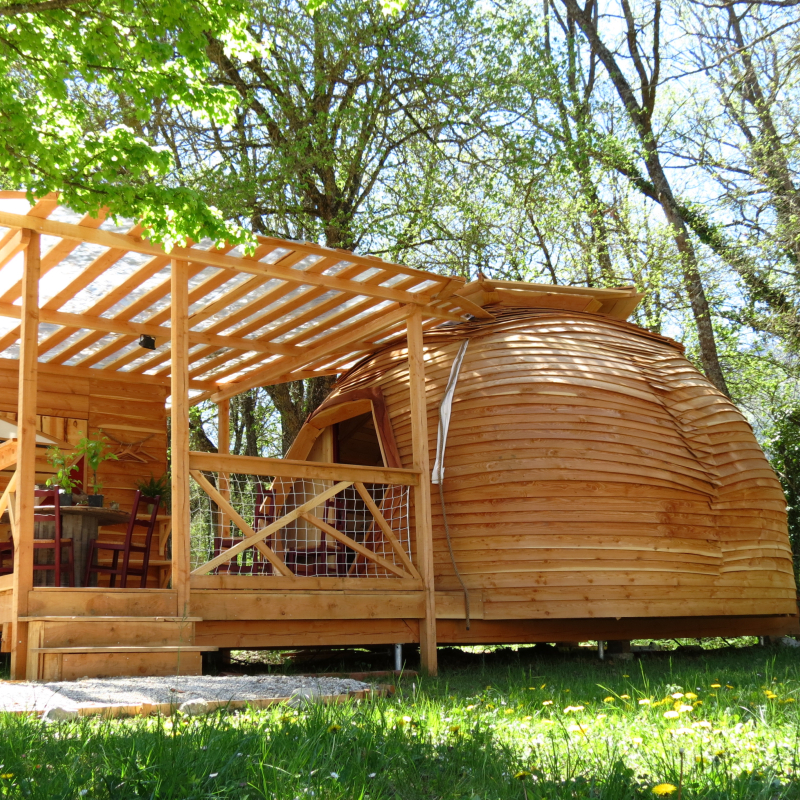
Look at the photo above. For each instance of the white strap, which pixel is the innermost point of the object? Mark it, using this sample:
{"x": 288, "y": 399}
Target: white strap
{"x": 444, "y": 413}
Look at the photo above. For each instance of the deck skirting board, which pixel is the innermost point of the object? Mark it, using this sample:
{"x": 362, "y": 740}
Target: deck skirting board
{"x": 518, "y": 631}
{"x": 216, "y": 604}
{"x": 254, "y": 634}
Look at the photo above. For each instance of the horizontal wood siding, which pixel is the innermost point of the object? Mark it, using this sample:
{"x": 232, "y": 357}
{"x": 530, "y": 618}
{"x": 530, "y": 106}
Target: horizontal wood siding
{"x": 72, "y": 406}
{"x": 591, "y": 471}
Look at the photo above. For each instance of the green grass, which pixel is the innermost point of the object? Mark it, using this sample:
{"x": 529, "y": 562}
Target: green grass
{"x": 465, "y": 735}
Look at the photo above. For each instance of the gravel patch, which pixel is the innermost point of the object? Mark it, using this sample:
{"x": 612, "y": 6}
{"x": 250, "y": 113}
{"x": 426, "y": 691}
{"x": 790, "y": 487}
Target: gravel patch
{"x": 178, "y": 689}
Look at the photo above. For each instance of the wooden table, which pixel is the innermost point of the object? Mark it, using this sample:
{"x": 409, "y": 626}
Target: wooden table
{"x": 79, "y": 523}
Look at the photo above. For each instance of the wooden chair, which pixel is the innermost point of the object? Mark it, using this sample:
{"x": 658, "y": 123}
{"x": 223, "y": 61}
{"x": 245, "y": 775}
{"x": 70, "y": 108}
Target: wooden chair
{"x": 263, "y": 515}
{"x": 126, "y": 547}
{"x": 57, "y": 544}
{"x": 316, "y": 561}
{"x": 6, "y": 557}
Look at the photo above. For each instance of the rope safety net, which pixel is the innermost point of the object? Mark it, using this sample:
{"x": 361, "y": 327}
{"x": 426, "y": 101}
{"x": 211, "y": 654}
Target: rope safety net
{"x": 307, "y": 549}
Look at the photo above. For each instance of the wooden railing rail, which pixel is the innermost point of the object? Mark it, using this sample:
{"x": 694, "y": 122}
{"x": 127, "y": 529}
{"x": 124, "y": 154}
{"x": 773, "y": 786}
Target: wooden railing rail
{"x": 7, "y": 496}
{"x": 287, "y": 468}
{"x": 8, "y": 453}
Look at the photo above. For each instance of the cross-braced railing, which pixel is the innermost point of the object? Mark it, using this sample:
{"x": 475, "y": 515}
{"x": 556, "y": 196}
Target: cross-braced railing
{"x": 274, "y": 517}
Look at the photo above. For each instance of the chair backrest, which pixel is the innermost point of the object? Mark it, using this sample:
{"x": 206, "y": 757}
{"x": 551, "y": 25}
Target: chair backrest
{"x": 53, "y": 515}
{"x": 264, "y": 507}
{"x": 150, "y": 523}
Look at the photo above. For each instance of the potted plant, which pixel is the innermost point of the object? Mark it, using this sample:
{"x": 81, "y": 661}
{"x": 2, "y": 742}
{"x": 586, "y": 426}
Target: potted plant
{"x": 64, "y": 466}
{"x": 95, "y": 451}
{"x": 155, "y": 487}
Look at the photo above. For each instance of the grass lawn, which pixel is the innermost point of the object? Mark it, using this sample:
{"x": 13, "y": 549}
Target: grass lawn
{"x": 515, "y": 728}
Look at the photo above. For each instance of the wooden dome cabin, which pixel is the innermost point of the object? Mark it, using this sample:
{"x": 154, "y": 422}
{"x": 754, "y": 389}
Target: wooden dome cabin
{"x": 595, "y": 485}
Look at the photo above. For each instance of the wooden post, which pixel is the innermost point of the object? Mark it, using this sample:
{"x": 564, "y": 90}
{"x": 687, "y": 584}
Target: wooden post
{"x": 26, "y": 456}
{"x": 422, "y": 497}
{"x": 224, "y": 447}
{"x": 179, "y": 441}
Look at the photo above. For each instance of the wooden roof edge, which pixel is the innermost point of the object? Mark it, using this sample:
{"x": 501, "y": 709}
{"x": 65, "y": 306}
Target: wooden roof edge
{"x": 487, "y": 284}
{"x": 618, "y": 303}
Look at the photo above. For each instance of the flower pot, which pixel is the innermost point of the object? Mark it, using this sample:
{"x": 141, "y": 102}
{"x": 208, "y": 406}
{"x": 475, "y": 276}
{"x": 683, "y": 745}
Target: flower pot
{"x": 96, "y": 501}
{"x": 150, "y": 508}
{"x": 65, "y": 498}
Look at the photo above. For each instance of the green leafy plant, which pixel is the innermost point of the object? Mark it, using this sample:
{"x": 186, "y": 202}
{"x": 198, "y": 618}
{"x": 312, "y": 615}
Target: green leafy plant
{"x": 155, "y": 487}
{"x": 64, "y": 466}
{"x": 95, "y": 451}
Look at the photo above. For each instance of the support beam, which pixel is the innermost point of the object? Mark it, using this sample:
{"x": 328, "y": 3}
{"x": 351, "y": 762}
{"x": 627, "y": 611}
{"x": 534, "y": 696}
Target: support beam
{"x": 179, "y": 441}
{"x": 224, "y": 448}
{"x": 26, "y": 456}
{"x": 422, "y": 493}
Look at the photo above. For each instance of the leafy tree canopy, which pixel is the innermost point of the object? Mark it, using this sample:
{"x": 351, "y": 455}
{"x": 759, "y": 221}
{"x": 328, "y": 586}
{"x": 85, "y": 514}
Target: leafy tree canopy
{"x": 54, "y": 54}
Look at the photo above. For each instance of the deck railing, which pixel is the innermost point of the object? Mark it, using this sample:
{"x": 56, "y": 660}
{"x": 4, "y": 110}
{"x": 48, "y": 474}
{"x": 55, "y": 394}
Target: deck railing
{"x": 291, "y": 519}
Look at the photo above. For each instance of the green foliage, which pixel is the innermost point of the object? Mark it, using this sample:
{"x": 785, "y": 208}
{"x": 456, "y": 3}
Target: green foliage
{"x": 783, "y": 447}
{"x": 64, "y": 466}
{"x": 156, "y": 487}
{"x": 531, "y": 729}
{"x": 95, "y": 451}
{"x": 58, "y": 66}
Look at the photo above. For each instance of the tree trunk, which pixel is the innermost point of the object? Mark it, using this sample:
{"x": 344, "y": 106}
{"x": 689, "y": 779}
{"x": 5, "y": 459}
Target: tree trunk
{"x": 640, "y": 116}
{"x": 295, "y": 401}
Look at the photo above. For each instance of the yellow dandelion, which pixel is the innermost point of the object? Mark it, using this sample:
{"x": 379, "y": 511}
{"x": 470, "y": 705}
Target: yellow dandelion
{"x": 543, "y": 685}
{"x": 580, "y": 730}
{"x": 609, "y": 699}
{"x": 333, "y": 728}
{"x": 671, "y": 714}
{"x": 716, "y": 685}
{"x": 532, "y": 688}
{"x": 702, "y": 724}
{"x": 684, "y": 708}
{"x": 789, "y": 700}
{"x": 525, "y": 719}
{"x": 570, "y": 709}
{"x": 521, "y": 775}
{"x": 602, "y": 716}
{"x": 626, "y": 676}
{"x": 547, "y": 703}
{"x": 697, "y": 703}
{"x": 625, "y": 697}
{"x": 455, "y": 728}
{"x": 636, "y": 740}
{"x": 728, "y": 686}
{"x": 644, "y": 702}
{"x": 690, "y": 696}
{"x": 469, "y": 708}
{"x": 677, "y": 695}
{"x": 663, "y": 789}
{"x": 7, "y": 775}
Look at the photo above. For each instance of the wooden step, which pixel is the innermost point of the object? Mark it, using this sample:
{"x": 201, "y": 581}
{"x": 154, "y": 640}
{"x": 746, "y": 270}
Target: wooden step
{"x": 75, "y": 631}
{"x": 74, "y": 663}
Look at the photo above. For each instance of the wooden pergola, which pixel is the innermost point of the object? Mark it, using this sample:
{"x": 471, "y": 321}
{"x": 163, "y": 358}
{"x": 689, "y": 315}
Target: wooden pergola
{"x": 222, "y": 322}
